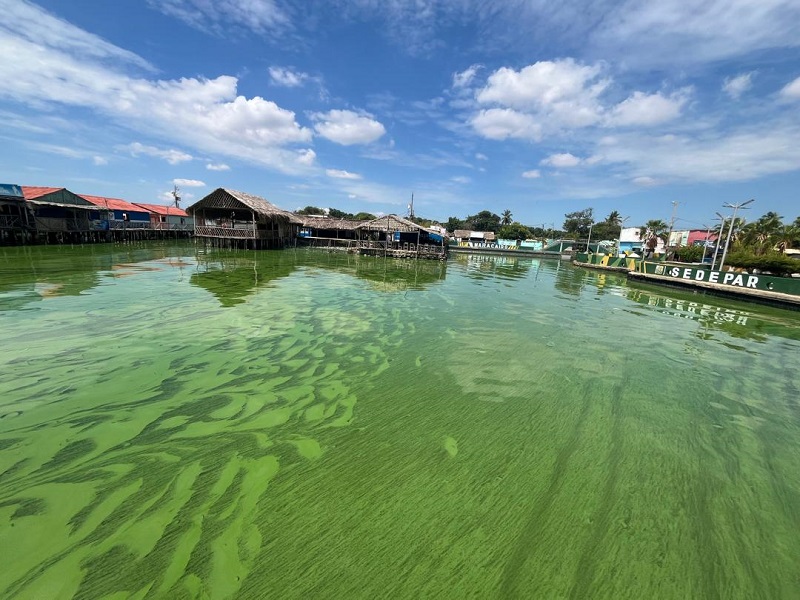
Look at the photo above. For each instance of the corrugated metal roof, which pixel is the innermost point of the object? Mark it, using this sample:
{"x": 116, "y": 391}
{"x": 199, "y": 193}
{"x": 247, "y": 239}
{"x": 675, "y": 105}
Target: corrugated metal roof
{"x": 61, "y": 204}
{"x": 113, "y": 203}
{"x": 33, "y": 191}
{"x": 160, "y": 209}
{"x": 53, "y": 195}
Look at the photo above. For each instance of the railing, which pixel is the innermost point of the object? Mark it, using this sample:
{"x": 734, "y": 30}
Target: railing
{"x": 234, "y": 233}
{"x": 10, "y": 222}
{"x": 130, "y": 225}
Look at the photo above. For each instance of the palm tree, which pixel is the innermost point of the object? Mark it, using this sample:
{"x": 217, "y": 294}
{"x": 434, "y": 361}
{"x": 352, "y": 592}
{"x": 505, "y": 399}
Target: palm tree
{"x": 787, "y": 237}
{"x": 651, "y": 232}
{"x": 506, "y": 217}
{"x": 761, "y": 235}
{"x": 614, "y": 218}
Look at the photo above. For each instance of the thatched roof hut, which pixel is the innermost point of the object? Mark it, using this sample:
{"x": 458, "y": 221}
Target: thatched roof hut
{"x": 223, "y": 199}
{"x": 328, "y": 223}
{"x": 391, "y": 223}
{"x": 231, "y": 215}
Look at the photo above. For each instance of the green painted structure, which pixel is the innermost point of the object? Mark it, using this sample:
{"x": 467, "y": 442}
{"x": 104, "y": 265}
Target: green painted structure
{"x": 784, "y": 291}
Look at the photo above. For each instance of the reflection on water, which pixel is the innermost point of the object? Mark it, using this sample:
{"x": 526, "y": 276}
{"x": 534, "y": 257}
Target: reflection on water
{"x": 233, "y": 276}
{"x": 299, "y": 424}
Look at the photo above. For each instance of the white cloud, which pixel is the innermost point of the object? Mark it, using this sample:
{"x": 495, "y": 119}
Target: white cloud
{"x": 561, "y": 161}
{"x": 644, "y": 181}
{"x": 647, "y": 109}
{"x": 256, "y": 15}
{"x": 337, "y": 174}
{"x": 217, "y": 167}
{"x": 791, "y": 91}
{"x": 206, "y": 114}
{"x": 285, "y": 77}
{"x": 189, "y": 182}
{"x": 465, "y": 77}
{"x": 27, "y": 21}
{"x": 503, "y": 123}
{"x": 347, "y": 128}
{"x": 306, "y": 157}
{"x": 99, "y": 160}
{"x": 533, "y": 174}
{"x": 172, "y": 156}
{"x": 561, "y": 92}
{"x": 480, "y": 156}
{"x": 671, "y": 32}
{"x": 460, "y": 179}
{"x": 745, "y": 154}
{"x": 736, "y": 86}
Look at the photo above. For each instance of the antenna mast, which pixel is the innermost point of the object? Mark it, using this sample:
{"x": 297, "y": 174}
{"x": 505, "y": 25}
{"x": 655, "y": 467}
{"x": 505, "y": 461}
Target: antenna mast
{"x": 176, "y": 197}
{"x": 411, "y": 207}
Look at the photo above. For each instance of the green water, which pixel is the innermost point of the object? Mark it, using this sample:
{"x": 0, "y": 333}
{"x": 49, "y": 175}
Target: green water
{"x": 307, "y": 425}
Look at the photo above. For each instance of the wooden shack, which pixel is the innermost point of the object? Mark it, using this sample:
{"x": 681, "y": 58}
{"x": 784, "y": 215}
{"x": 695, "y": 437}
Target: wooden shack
{"x": 16, "y": 218}
{"x": 168, "y": 218}
{"x": 327, "y": 232}
{"x": 399, "y": 237}
{"x": 60, "y": 216}
{"x": 227, "y": 218}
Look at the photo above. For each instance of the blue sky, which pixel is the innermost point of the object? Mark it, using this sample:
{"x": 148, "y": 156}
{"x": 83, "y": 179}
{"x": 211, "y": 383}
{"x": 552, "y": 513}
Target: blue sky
{"x": 538, "y": 107}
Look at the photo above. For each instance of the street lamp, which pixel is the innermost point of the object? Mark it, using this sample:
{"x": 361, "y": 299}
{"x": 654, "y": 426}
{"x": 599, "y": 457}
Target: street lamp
{"x": 589, "y": 241}
{"x": 735, "y": 208}
{"x": 619, "y": 238}
{"x": 705, "y": 243}
{"x": 719, "y": 239}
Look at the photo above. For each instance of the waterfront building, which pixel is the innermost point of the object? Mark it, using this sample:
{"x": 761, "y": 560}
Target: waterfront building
{"x": 16, "y": 220}
{"x": 238, "y": 219}
{"x": 59, "y": 214}
{"x": 121, "y": 214}
{"x": 167, "y": 218}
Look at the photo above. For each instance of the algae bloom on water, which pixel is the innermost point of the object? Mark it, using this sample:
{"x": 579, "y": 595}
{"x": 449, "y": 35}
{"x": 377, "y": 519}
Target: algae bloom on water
{"x": 288, "y": 424}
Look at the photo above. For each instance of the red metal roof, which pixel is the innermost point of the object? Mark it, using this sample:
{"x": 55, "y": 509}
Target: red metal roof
{"x": 32, "y": 191}
{"x": 160, "y": 209}
{"x": 112, "y": 203}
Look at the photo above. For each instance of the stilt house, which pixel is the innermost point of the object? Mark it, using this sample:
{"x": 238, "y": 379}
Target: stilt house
{"x": 237, "y": 219}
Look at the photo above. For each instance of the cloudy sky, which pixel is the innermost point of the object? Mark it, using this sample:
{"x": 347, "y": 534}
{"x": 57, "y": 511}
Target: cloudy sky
{"x": 535, "y": 106}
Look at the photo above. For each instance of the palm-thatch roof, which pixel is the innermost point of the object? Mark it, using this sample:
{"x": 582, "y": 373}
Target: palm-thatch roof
{"x": 329, "y": 223}
{"x": 390, "y": 223}
{"x": 225, "y": 199}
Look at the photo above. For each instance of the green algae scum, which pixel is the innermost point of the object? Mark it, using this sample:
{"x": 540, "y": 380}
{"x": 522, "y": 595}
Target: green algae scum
{"x": 292, "y": 424}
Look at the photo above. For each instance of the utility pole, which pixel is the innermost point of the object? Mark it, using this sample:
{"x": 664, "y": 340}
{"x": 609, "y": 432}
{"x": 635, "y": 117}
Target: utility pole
{"x": 175, "y": 196}
{"x": 735, "y": 208}
{"x": 411, "y": 208}
{"x": 671, "y": 223}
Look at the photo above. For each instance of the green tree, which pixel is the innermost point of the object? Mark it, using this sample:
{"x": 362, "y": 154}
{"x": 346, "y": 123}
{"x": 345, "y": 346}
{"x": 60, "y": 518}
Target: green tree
{"x": 338, "y": 214}
{"x": 652, "y": 231}
{"x": 514, "y": 231}
{"x": 506, "y": 218}
{"x": 761, "y": 235}
{"x": 454, "y": 223}
{"x": 364, "y": 216}
{"x": 311, "y": 210}
{"x": 614, "y": 218}
{"x": 577, "y": 224}
{"x": 483, "y": 221}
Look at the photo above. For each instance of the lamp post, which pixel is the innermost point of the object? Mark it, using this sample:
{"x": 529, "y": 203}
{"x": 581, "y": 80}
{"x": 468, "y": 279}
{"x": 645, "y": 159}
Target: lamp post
{"x": 735, "y": 208}
{"x": 589, "y": 241}
{"x": 719, "y": 239}
{"x": 619, "y": 238}
{"x": 705, "y": 243}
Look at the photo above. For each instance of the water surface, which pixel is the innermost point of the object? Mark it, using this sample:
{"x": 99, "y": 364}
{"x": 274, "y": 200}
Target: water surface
{"x": 296, "y": 424}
